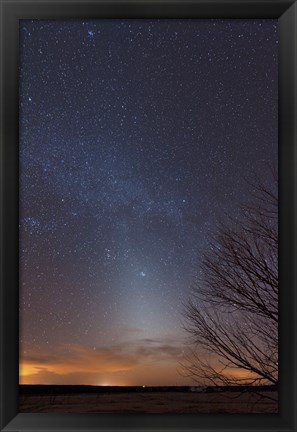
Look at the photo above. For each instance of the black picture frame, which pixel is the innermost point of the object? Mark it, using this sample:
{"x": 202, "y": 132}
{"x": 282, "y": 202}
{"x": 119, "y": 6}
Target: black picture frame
{"x": 286, "y": 12}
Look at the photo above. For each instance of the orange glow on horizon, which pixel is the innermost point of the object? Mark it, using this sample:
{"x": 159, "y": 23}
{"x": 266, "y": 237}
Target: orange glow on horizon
{"x": 83, "y": 373}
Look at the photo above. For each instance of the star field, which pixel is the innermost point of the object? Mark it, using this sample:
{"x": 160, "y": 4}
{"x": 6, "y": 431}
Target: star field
{"x": 135, "y": 136}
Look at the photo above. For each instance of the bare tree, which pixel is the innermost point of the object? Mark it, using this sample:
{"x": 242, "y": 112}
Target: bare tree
{"x": 232, "y": 315}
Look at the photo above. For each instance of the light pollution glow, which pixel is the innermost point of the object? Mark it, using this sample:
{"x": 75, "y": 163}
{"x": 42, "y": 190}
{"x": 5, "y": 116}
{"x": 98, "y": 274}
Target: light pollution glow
{"x": 155, "y": 366}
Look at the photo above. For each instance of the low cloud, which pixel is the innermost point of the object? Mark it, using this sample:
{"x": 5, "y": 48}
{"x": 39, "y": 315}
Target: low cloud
{"x": 116, "y": 365}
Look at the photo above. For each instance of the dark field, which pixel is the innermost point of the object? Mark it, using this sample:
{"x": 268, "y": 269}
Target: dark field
{"x": 174, "y": 400}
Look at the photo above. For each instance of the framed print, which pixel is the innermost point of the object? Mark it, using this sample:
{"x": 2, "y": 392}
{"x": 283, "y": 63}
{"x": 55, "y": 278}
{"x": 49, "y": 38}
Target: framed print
{"x": 148, "y": 215}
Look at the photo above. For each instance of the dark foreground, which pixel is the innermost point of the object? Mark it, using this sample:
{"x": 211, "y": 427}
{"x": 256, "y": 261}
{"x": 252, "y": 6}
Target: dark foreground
{"x": 170, "y": 400}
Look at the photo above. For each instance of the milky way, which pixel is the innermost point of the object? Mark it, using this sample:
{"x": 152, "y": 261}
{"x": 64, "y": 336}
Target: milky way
{"x": 135, "y": 136}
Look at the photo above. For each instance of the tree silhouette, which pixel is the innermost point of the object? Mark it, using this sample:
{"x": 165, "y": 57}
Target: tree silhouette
{"x": 232, "y": 314}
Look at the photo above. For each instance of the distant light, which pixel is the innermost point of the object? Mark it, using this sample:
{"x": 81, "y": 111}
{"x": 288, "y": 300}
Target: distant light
{"x": 143, "y": 386}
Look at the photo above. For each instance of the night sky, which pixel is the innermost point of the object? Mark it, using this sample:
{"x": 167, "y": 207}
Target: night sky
{"x": 135, "y": 136}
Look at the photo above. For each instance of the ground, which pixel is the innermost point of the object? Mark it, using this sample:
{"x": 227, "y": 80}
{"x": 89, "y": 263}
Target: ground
{"x": 152, "y": 402}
